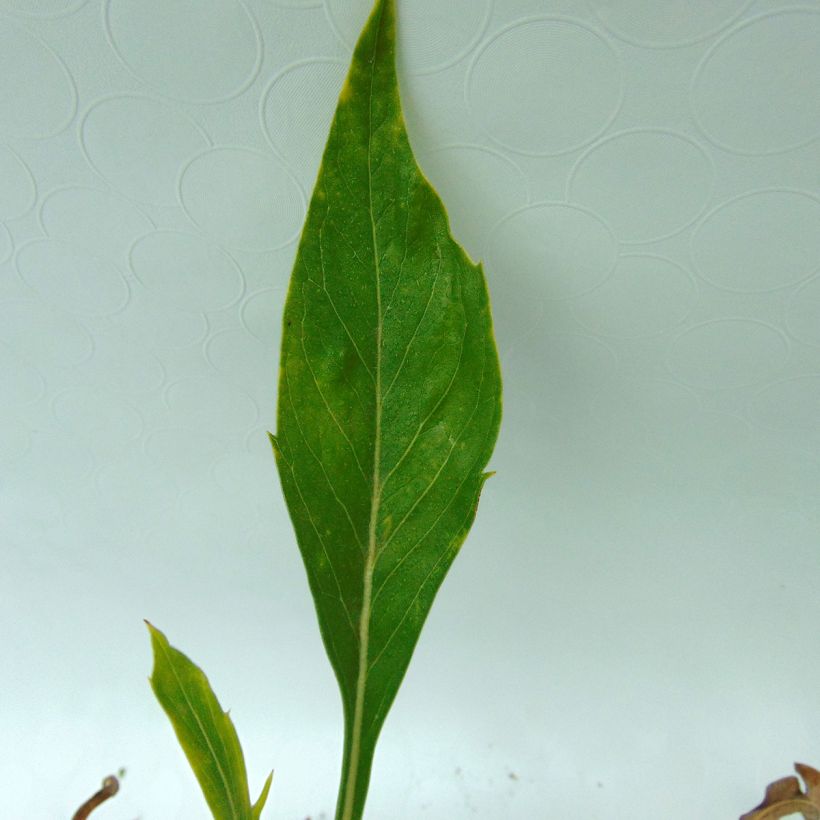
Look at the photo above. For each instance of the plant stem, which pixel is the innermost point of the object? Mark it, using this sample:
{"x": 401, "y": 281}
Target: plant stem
{"x": 109, "y": 788}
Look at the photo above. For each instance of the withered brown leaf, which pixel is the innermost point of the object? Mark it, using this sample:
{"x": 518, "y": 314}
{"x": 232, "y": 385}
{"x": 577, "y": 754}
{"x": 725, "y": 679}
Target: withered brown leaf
{"x": 785, "y": 797}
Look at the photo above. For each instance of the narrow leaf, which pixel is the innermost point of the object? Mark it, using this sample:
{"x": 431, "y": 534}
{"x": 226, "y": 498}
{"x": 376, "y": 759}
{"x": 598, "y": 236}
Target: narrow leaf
{"x": 206, "y": 733}
{"x": 389, "y": 398}
{"x": 256, "y": 809}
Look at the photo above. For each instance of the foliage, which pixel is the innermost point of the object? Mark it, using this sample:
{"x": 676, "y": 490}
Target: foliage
{"x": 389, "y": 397}
{"x": 206, "y": 733}
{"x": 389, "y": 408}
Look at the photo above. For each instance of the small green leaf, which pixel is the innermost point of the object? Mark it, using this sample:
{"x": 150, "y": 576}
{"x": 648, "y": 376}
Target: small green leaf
{"x": 389, "y": 398}
{"x": 256, "y": 809}
{"x": 206, "y": 733}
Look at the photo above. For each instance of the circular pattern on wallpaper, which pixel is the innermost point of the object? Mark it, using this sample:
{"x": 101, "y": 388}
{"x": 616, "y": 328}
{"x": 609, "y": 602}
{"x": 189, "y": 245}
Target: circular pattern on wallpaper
{"x": 706, "y": 443}
{"x": 37, "y": 95}
{"x": 139, "y": 144}
{"x": 782, "y": 480}
{"x": 645, "y": 405}
{"x": 646, "y": 295}
{"x": 185, "y": 271}
{"x": 56, "y": 460}
{"x": 244, "y": 198}
{"x": 123, "y": 365}
{"x": 222, "y": 53}
{"x": 647, "y": 183}
{"x": 43, "y": 8}
{"x": 545, "y": 85}
{"x": 570, "y": 371}
{"x": 793, "y": 404}
{"x": 480, "y": 186}
{"x": 569, "y": 249}
{"x": 803, "y": 313}
{"x": 114, "y": 481}
{"x": 651, "y": 24}
{"x": 434, "y": 34}
{"x": 259, "y": 316}
{"x": 207, "y": 404}
{"x": 179, "y": 452}
{"x": 726, "y": 353}
{"x": 18, "y": 192}
{"x": 247, "y": 362}
{"x": 6, "y": 244}
{"x": 63, "y": 273}
{"x": 100, "y": 221}
{"x": 22, "y": 382}
{"x": 297, "y": 4}
{"x": 155, "y": 325}
{"x": 243, "y": 477}
{"x": 755, "y": 91}
{"x": 15, "y": 438}
{"x": 759, "y": 241}
{"x": 106, "y": 421}
{"x": 544, "y": 252}
{"x": 22, "y": 324}
{"x": 296, "y": 111}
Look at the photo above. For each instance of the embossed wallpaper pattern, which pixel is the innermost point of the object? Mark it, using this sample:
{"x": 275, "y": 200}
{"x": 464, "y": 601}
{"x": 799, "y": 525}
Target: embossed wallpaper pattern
{"x": 636, "y": 610}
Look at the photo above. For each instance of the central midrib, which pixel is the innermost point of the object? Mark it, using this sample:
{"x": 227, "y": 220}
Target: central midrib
{"x": 375, "y": 500}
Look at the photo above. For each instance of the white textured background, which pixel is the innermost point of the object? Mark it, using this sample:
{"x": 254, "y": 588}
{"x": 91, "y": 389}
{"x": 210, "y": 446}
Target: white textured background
{"x": 631, "y": 629}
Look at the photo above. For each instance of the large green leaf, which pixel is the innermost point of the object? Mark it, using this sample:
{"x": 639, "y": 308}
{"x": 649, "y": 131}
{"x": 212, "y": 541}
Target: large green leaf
{"x": 389, "y": 397}
{"x": 206, "y": 733}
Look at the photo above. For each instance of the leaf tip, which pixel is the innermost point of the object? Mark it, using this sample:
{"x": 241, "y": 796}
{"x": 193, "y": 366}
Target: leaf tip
{"x": 157, "y": 635}
{"x": 256, "y": 809}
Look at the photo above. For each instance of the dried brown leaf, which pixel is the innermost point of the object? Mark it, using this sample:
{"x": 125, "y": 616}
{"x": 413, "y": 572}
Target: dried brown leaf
{"x": 785, "y": 797}
{"x": 811, "y": 777}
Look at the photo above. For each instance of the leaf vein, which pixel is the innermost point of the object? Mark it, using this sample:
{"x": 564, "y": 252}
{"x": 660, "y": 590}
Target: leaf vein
{"x": 427, "y": 490}
{"x": 321, "y": 464}
{"x": 321, "y": 542}
{"x": 407, "y": 610}
{"x": 333, "y": 305}
{"x": 201, "y": 728}
{"x": 418, "y": 325}
{"x": 430, "y": 415}
{"x": 406, "y": 245}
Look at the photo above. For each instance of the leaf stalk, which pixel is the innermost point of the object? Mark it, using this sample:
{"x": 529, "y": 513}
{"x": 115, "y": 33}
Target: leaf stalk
{"x": 110, "y": 786}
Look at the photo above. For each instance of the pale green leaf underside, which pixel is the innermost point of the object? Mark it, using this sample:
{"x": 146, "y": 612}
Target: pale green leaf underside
{"x": 389, "y": 397}
{"x": 206, "y": 733}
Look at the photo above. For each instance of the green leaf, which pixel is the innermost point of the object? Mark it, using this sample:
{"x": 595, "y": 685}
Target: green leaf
{"x": 205, "y": 732}
{"x": 256, "y": 809}
{"x": 389, "y": 398}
